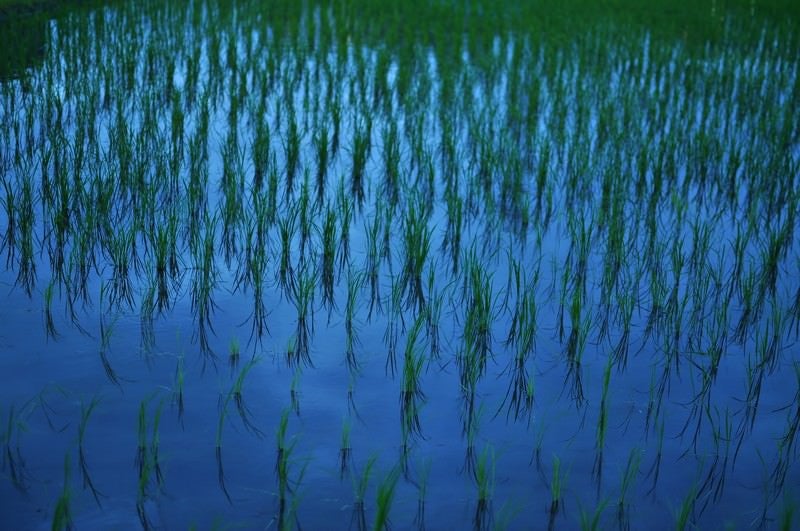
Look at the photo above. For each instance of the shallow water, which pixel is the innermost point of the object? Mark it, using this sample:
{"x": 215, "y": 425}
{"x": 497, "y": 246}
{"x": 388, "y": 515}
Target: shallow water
{"x": 617, "y": 171}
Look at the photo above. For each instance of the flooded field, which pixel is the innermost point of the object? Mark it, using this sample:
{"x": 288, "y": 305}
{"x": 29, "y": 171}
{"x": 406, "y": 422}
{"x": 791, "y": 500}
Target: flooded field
{"x": 445, "y": 265}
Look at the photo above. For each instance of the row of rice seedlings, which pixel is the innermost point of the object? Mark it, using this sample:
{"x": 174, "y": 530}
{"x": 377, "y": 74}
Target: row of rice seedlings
{"x": 449, "y": 142}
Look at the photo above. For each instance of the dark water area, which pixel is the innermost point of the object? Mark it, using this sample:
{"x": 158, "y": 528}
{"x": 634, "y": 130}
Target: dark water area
{"x": 338, "y": 265}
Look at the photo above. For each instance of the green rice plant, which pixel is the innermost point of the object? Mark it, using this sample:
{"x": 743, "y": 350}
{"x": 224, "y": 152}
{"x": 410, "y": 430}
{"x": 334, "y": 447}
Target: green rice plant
{"x": 384, "y": 499}
{"x": 237, "y": 393}
{"x": 485, "y": 481}
{"x": 280, "y": 435}
{"x": 787, "y": 514}
{"x": 261, "y": 149}
{"x": 321, "y": 143}
{"x": 683, "y": 514}
{"x": 303, "y": 302}
{"x": 328, "y": 258}
{"x": 433, "y": 315}
{"x": 372, "y": 261}
{"x": 480, "y": 310}
{"x": 620, "y": 351}
{"x": 291, "y": 147}
{"x": 25, "y": 220}
{"x": 360, "y": 149}
{"x": 417, "y": 243}
{"x": 305, "y": 215}
{"x": 285, "y": 487}
{"x": 391, "y": 162}
{"x": 556, "y": 491}
{"x": 360, "y": 484}
{"x": 204, "y": 283}
{"x": 521, "y": 335}
{"x": 121, "y": 252}
{"x": 628, "y": 479}
{"x": 147, "y": 459}
{"x": 592, "y": 522}
{"x": 9, "y": 238}
{"x": 286, "y": 228}
{"x": 86, "y": 412}
{"x": 62, "y": 516}
{"x": 354, "y": 284}
{"x": 146, "y": 310}
{"x": 344, "y": 206}
{"x": 470, "y": 427}
{"x": 336, "y": 121}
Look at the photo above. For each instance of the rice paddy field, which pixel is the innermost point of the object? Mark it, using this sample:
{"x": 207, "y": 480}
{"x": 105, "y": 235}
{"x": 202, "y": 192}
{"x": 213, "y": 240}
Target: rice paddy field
{"x": 358, "y": 264}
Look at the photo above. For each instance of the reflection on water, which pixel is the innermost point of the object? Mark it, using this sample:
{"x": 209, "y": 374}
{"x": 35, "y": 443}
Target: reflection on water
{"x": 314, "y": 265}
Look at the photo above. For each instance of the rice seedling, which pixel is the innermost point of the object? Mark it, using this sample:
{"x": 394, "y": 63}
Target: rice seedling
{"x": 237, "y": 393}
{"x": 291, "y": 146}
{"x": 628, "y": 479}
{"x": 592, "y": 522}
{"x": 485, "y": 481}
{"x": 384, "y": 499}
{"x": 417, "y": 242}
{"x": 86, "y": 412}
{"x": 303, "y": 302}
{"x": 360, "y": 484}
{"x": 62, "y": 515}
{"x": 556, "y": 492}
{"x": 411, "y": 389}
{"x": 142, "y": 143}
{"x": 321, "y": 144}
{"x": 787, "y": 515}
{"x": 360, "y": 150}
{"x": 354, "y": 284}
{"x": 284, "y": 487}
{"x": 683, "y": 515}
{"x": 328, "y": 258}
{"x": 344, "y": 206}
